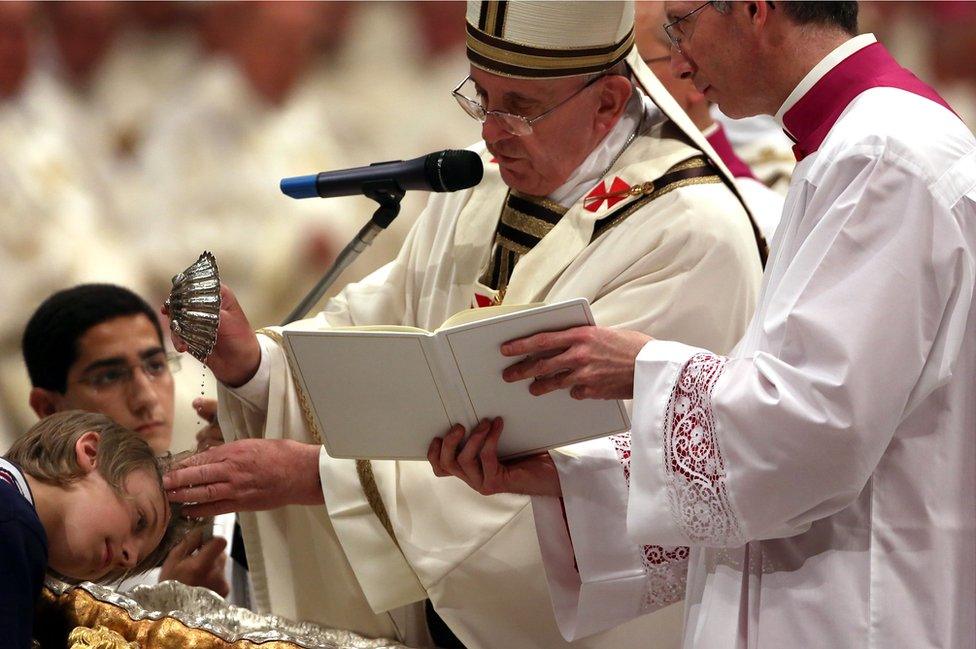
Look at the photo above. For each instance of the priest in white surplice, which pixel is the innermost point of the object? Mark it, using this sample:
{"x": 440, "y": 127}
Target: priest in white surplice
{"x": 824, "y": 472}
{"x": 591, "y": 190}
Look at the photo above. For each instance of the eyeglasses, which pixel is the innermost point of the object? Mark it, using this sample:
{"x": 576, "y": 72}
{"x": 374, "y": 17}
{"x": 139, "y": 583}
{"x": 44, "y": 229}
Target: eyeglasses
{"x": 681, "y": 29}
{"x": 511, "y": 123}
{"x": 117, "y": 376}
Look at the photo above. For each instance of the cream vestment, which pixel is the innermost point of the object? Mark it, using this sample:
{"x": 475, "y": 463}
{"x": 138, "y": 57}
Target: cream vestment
{"x": 684, "y": 264}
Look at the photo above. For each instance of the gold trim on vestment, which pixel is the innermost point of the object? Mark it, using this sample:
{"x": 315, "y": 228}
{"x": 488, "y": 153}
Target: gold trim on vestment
{"x": 644, "y": 200}
{"x": 504, "y": 269}
{"x": 527, "y": 223}
{"x": 691, "y": 163}
{"x": 547, "y": 203}
{"x": 554, "y": 63}
{"x": 364, "y": 469}
{"x": 367, "y": 480}
{"x": 511, "y": 245}
{"x": 494, "y": 18}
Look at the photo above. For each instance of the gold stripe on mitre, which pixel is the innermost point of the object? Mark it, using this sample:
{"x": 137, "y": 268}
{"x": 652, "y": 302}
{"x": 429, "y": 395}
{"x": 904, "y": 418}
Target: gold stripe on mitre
{"x": 531, "y": 39}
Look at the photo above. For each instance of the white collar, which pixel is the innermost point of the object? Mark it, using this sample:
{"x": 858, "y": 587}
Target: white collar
{"x": 826, "y": 64}
{"x": 18, "y": 476}
{"x": 590, "y": 170}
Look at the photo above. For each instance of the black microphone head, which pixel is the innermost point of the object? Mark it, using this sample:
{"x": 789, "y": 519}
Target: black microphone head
{"x": 451, "y": 170}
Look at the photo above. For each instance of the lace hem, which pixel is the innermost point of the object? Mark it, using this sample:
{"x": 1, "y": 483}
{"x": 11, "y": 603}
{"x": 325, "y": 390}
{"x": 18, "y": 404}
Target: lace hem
{"x": 693, "y": 461}
{"x": 665, "y": 568}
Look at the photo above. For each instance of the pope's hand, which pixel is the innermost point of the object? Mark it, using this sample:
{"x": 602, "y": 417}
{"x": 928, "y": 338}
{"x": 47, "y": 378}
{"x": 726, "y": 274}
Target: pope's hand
{"x": 592, "y": 362}
{"x": 237, "y": 353}
{"x": 476, "y": 462}
{"x": 198, "y": 562}
{"x": 247, "y": 475}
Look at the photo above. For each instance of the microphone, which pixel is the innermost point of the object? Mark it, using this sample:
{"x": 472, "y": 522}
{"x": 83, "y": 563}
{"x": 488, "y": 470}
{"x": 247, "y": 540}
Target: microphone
{"x": 442, "y": 171}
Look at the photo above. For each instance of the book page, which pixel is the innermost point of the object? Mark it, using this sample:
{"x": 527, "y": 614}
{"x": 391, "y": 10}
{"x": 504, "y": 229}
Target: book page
{"x": 532, "y": 423}
{"x": 373, "y": 394}
{"x": 386, "y": 328}
{"x": 474, "y": 315}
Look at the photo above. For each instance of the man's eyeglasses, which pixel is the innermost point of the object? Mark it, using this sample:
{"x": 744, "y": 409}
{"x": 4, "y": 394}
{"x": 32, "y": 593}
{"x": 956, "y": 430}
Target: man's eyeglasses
{"x": 511, "y": 123}
{"x": 681, "y": 29}
{"x": 116, "y": 376}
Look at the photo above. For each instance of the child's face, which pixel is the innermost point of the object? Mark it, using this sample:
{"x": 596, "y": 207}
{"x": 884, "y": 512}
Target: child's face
{"x": 103, "y": 530}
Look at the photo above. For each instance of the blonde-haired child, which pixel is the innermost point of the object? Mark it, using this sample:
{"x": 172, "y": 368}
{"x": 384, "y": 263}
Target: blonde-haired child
{"x": 81, "y": 496}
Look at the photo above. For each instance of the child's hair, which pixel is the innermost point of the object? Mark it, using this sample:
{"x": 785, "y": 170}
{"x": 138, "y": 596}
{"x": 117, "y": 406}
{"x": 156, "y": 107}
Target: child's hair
{"x": 47, "y": 453}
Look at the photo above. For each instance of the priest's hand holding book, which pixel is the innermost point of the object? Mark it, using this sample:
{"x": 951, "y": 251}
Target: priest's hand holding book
{"x": 591, "y": 362}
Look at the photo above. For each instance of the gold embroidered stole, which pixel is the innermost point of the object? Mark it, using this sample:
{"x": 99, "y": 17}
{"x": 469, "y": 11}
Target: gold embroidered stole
{"x": 693, "y": 171}
{"x": 524, "y": 222}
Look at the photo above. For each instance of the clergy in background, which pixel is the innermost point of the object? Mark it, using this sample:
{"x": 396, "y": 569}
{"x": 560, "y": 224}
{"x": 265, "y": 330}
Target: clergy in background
{"x": 824, "y": 472}
{"x": 567, "y": 133}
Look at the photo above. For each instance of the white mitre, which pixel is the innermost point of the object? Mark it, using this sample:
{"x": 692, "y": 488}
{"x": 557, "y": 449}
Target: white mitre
{"x": 546, "y": 39}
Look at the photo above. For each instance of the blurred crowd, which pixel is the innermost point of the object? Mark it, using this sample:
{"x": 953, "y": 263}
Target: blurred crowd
{"x": 135, "y": 135}
{"x": 936, "y": 40}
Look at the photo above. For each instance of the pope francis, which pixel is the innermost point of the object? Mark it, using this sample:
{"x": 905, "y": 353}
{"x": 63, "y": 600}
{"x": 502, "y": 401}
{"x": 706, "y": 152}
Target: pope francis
{"x": 596, "y": 185}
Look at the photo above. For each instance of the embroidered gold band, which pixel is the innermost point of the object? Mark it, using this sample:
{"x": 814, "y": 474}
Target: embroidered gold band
{"x": 511, "y": 59}
{"x": 693, "y": 171}
{"x": 492, "y": 17}
{"x": 523, "y": 223}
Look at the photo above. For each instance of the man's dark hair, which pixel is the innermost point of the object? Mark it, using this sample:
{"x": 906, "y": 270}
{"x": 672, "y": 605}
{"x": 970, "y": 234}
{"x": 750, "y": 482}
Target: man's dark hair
{"x": 842, "y": 15}
{"x": 828, "y": 14}
{"x": 50, "y": 342}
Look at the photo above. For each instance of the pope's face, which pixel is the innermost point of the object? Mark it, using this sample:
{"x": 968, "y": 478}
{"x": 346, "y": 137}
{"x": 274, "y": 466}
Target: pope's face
{"x": 124, "y": 346}
{"x": 101, "y": 530}
{"x": 538, "y": 163}
{"x": 716, "y": 58}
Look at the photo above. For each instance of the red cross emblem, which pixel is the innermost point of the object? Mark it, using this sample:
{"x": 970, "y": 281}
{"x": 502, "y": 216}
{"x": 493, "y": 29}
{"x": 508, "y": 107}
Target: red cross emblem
{"x": 481, "y": 301}
{"x": 617, "y": 192}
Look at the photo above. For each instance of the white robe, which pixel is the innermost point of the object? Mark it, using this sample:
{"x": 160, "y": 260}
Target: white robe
{"x": 55, "y": 223}
{"x": 685, "y": 264}
{"x": 824, "y": 474}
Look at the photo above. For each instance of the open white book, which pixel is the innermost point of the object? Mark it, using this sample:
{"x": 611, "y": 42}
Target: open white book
{"x": 384, "y": 392}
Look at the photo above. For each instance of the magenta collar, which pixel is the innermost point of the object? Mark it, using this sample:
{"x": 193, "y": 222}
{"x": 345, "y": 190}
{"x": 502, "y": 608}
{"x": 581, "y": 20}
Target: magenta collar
{"x": 812, "y": 117}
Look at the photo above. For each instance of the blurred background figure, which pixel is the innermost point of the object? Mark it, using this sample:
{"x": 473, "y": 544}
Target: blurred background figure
{"x": 936, "y": 39}
{"x": 55, "y": 209}
{"x": 18, "y": 37}
{"x": 247, "y": 115}
{"x": 134, "y": 135}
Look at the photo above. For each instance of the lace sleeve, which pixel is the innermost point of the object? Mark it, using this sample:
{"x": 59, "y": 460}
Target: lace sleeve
{"x": 693, "y": 459}
{"x": 665, "y": 568}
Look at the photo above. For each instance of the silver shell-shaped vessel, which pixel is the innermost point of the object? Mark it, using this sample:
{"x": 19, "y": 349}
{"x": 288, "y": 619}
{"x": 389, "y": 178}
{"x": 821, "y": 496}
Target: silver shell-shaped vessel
{"x": 194, "y": 305}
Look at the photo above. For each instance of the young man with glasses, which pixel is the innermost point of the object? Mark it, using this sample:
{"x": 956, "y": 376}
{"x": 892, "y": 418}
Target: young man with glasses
{"x": 99, "y": 348}
{"x": 824, "y": 472}
{"x": 592, "y": 189}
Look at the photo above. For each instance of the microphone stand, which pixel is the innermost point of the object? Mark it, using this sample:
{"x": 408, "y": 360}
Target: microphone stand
{"x": 388, "y": 194}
